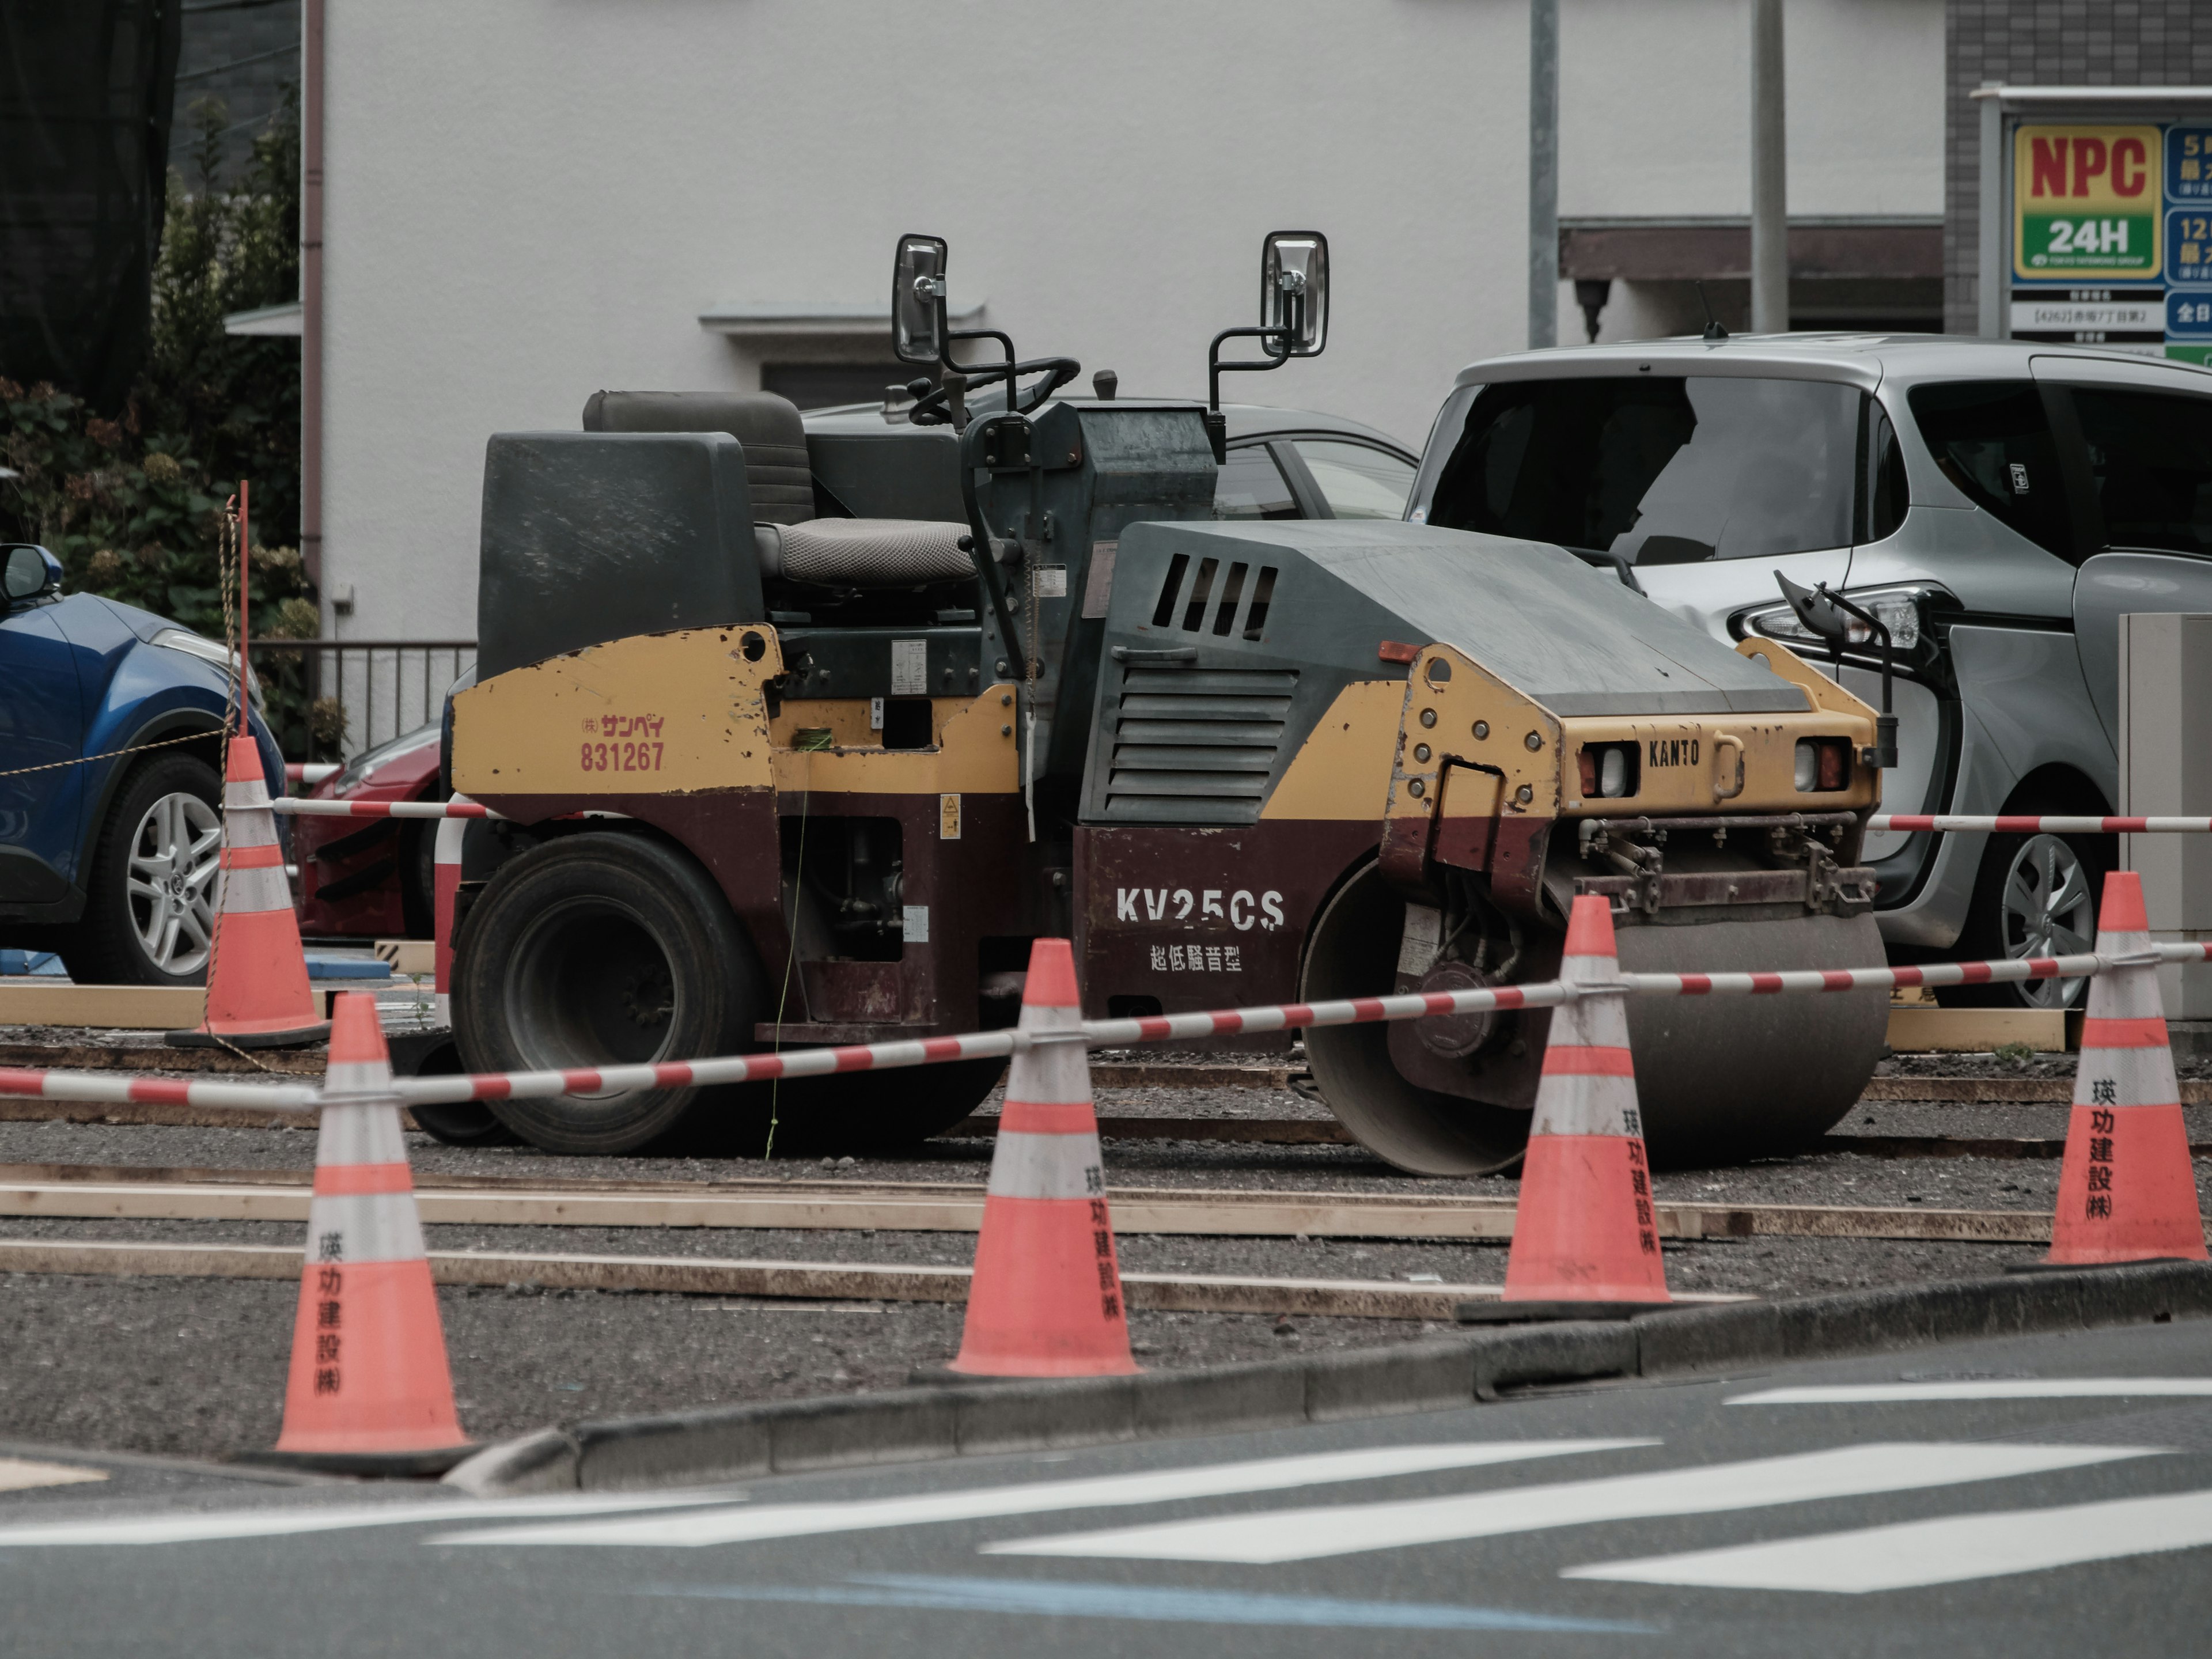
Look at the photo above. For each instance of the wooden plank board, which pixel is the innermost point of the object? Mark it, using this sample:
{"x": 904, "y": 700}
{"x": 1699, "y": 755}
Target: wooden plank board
{"x": 111, "y": 1007}
{"x": 1921, "y": 1029}
{"x": 921, "y": 1207}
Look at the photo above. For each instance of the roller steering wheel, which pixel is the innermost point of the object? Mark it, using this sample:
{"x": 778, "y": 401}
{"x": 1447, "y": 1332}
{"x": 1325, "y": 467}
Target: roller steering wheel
{"x": 930, "y": 410}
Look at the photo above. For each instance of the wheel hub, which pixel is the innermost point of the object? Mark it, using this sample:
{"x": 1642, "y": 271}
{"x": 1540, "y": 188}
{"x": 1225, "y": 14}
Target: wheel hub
{"x": 1454, "y": 1036}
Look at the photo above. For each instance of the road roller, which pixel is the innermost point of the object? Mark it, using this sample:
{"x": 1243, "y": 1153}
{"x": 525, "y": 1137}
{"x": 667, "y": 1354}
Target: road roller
{"x": 800, "y": 735}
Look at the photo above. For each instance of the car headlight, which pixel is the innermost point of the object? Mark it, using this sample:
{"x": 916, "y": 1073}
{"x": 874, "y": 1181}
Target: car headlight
{"x": 209, "y": 651}
{"x": 1903, "y": 611}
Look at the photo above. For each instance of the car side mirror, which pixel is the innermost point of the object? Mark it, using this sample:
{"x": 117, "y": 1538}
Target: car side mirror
{"x": 918, "y": 300}
{"x": 1294, "y": 291}
{"x": 1822, "y": 616}
{"x": 30, "y": 572}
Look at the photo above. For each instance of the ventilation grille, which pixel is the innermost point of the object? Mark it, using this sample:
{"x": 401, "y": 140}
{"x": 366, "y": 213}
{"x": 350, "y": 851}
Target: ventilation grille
{"x": 1196, "y": 745}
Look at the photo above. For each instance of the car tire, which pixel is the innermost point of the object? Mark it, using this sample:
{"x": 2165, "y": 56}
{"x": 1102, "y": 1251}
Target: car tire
{"x": 595, "y": 950}
{"x": 418, "y": 878}
{"x": 149, "y": 883}
{"x": 2012, "y": 914}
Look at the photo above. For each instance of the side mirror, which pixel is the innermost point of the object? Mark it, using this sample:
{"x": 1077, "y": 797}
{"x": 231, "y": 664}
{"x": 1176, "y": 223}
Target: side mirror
{"x": 1294, "y": 290}
{"x": 1822, "y": 616}
{"x": 30, "y": 572}
{"x": 918, "y": 300}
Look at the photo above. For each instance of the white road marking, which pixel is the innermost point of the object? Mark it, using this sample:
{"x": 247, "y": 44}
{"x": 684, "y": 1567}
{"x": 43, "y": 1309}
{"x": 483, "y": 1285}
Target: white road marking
{"x": 21, "y": 1473}
{"x": 280, "y": 1520}
{"x": 1991, "y": 1388}
{"x": 1942, "y": 1552}
{"x": 697, "y": 1529}
{"x": 1349, "y": 1529}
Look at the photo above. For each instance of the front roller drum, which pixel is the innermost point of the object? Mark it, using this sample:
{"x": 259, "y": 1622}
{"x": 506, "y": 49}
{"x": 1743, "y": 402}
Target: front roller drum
{"x": 1720, "y": 1079}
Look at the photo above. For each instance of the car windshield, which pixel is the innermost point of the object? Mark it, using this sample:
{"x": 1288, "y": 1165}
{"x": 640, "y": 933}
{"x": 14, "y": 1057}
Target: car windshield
{"x": 1660, "y": 471}
{"x": 369, "y": 759}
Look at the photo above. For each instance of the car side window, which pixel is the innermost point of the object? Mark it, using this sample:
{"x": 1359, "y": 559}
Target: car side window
{"x": 1992, "y": 439}
{"x": 1887, "y": 493}
{"x": 1249, "y": 485}
{"x": 1358, "y": 481}
{"x": 2150, "y": 454}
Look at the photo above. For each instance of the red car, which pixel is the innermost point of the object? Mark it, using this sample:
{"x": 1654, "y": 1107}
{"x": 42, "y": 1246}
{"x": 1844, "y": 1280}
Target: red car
{"x": 372, "y": 877}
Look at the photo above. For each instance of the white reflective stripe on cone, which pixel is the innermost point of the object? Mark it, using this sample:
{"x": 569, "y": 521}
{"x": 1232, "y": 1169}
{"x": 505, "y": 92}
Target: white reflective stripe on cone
{"x": 241, "y": 828}
{"x": 1026, "y": 1165}
{"x": 2130, "y": 993}
{"x": 2139, "y": 1076}
{"x": 1053, "y": 1074}
{"x": 1581, "y": 1104}
{"x": 252, "y": 890}
{"x": 360, "y": 1134}
{"x": 357, "y": 1227}
{"x": 252, "y": 793}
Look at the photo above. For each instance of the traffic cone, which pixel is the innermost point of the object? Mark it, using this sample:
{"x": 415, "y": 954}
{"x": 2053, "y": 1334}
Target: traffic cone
{"x": 1585, "y": 1243}
{"x": 257, "y": 984}
{"x": 370, "y": 1392}
{"x": 2127, "y": 1191}
{"x": 1045, "y": 1299}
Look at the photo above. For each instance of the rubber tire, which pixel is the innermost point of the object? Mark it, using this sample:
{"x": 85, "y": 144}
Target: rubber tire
{"x": 860, "y": 1112}
{"x": 102, "y": 947}
{"x": 545, "y": 937}
{"x": 1982, "y": 936}
{"x": 458, "y": 1122}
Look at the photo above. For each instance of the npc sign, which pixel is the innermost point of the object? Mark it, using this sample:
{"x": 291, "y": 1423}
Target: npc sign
{"x": 2087, "y": 204}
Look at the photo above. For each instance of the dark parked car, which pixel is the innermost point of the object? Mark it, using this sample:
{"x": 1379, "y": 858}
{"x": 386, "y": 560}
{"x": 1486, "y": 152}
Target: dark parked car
{"x": 109, "y": 858}
{"x": 372, "y": 877}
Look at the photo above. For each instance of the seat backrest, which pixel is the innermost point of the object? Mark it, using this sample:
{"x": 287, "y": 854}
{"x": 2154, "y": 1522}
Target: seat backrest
{"x": 768, "y": 427}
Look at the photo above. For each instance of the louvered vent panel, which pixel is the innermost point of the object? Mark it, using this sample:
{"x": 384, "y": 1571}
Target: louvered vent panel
{"x": 1196, "y": 745}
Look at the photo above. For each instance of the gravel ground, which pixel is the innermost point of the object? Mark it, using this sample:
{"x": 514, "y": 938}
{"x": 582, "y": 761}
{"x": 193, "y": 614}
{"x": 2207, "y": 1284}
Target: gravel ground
{"x": 197, "y": 1367}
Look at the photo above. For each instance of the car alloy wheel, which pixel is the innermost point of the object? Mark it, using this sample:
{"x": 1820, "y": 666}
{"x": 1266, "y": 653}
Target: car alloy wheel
{"x": 2049, "y": 910}
{"x": 174, "y": 853}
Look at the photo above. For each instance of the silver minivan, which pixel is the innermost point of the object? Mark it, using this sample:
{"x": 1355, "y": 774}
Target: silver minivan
{"x": 1997, "y": 505}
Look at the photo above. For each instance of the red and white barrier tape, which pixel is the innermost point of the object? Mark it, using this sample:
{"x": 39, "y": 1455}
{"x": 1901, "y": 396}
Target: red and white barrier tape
{"x": 298, "y": 806}
{"x": 1097, "y": 1033}
{"x": 2046, "y": 824}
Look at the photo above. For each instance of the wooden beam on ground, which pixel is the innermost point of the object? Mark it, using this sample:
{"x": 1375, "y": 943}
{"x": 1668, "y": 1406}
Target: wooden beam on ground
{"x": 832, "y": 1206}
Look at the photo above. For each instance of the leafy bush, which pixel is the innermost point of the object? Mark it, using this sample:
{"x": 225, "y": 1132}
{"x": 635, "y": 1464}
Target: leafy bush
{"x": 132, "y": 500}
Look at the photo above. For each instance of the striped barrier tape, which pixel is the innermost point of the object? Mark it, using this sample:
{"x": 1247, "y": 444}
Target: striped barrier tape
{"x": 2046, "y": 824}
{"x": 309, "y": 772}
{"x": 1097, "y": 1033}
{"x": 298, "y": 806}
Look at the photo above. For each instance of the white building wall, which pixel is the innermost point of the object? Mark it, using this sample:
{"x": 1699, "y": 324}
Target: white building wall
{"x": 528, "y": 200}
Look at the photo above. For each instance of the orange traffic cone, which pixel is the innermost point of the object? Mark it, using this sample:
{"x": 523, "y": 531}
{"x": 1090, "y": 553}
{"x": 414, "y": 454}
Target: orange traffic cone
{"x": 257, "y": 988}
{"x": 2127, "y": 1191}
{"x": 1585, "y": 1244}
{"x": 370, "y": 1392}
{"x": 1046, "y": 1296}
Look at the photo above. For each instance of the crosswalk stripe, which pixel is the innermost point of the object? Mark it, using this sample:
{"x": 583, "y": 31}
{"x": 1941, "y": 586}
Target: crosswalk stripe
{"x": 281, "y": 1520}
{"x": 1985, "y": 1387}
{"x": 1948, "y": 1550}
{"x": 1304, "y": 1534}
{"x": 696, "y": 1528}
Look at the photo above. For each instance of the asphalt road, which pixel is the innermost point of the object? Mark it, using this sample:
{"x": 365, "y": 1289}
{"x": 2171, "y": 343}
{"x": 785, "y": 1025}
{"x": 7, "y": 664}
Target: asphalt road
{"x": 2049, "y": 1496}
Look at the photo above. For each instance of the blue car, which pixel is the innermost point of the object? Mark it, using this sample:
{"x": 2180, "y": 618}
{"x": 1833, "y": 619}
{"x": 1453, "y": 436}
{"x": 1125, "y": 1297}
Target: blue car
{"x": 110, "y": 863}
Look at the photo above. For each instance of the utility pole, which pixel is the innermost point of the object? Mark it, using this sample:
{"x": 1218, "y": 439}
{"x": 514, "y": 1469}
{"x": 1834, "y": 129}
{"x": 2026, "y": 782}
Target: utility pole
{"x": 1770, "y": 194}
{"x": 1543, "y": 173}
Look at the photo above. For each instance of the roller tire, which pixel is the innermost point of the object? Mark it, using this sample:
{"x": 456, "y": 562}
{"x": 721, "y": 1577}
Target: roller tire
{"x": 1352, "y": 952}
{"x": 860, "y": 1113}
{"x": 603, "y": 949}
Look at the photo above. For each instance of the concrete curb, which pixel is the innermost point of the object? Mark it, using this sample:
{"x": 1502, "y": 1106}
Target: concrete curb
{"x": 899, "y": 1425}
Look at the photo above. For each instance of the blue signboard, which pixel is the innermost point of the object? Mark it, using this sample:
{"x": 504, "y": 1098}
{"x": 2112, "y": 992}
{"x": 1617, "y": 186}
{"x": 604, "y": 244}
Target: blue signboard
{"x": 2189, "y": 314}
{"x": 2189, "y": 163}
{"x": 2188, "y": 247}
